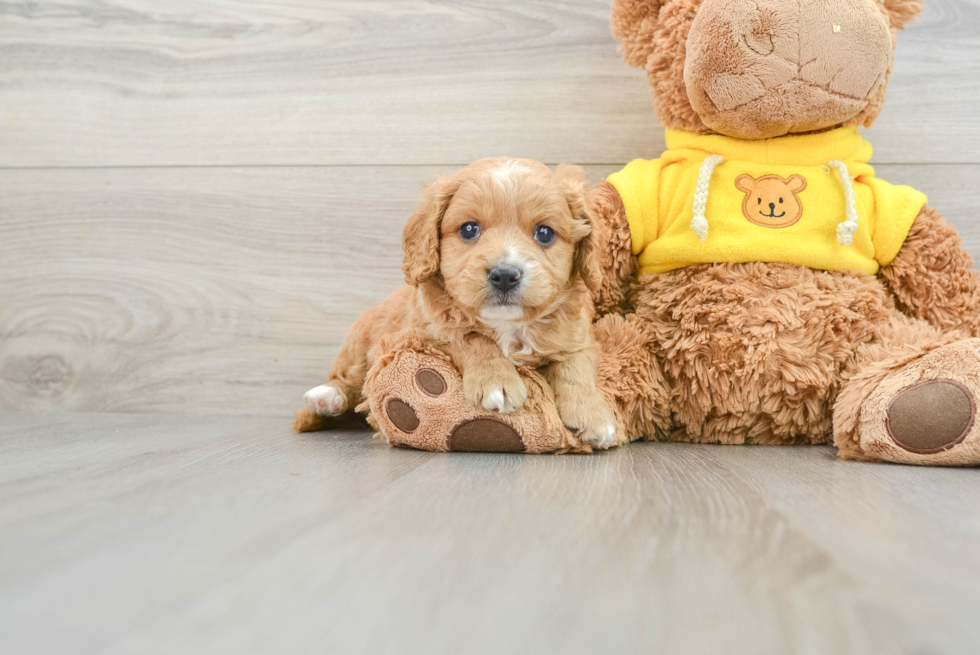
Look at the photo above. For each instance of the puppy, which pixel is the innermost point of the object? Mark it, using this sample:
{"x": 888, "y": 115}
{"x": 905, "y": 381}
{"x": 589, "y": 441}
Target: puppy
{"x": 499, "y": 263}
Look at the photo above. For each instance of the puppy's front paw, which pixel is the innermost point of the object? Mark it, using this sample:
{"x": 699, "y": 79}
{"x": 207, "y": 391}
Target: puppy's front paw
{"x": 501, "y": 390}
{"x": 326, "y": 400}
{"x": 592, "y": 422}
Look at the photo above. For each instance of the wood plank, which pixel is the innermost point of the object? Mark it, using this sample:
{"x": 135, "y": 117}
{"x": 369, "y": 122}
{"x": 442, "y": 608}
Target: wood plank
{"x": 221, "y": 290}
{"x": 232, "y": 82}
{"x": 123, "y": 534}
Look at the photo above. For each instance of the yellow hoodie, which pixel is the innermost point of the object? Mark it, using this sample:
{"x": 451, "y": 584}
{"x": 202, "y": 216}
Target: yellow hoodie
{"x": 811, "y": 200}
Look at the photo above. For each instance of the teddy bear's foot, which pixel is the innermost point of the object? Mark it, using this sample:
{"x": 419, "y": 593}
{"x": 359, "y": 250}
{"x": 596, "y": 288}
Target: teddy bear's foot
{"x": 416, "y": 399}
{"x": 923, "y": 412}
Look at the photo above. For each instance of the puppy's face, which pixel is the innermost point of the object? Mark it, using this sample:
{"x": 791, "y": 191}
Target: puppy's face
{"x": 510, "y": 236}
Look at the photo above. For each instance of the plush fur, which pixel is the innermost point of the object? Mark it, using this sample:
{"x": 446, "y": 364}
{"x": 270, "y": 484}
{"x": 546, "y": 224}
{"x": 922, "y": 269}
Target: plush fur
{"x": 933, "y": 278}
{"x": 545, "y": 322}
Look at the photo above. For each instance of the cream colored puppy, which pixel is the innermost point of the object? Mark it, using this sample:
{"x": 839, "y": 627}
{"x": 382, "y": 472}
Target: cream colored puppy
{"x": 499, "y": 263}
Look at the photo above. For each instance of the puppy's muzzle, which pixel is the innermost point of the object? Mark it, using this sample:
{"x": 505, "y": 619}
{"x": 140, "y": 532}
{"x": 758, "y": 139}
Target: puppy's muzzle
{"x": 504, "y": 278}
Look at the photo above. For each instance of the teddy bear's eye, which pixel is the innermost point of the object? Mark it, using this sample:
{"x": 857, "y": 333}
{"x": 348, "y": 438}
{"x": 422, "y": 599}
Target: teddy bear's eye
{"x": 780, "y": 201}
{"x": 760, "y": 201}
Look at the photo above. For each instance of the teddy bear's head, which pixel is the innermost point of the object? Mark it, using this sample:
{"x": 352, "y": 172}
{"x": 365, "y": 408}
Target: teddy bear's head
{"x": 756, "y": 69}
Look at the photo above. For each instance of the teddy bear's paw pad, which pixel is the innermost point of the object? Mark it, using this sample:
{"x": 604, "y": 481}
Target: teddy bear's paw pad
{"x": 932, "y": 416}
{"x": 417, "y": 400}
{"x": 925, "y": 412}
{"x": 430, "y": 382}
{"x": 402, "y": 415}
{"x": 485, "y": 435}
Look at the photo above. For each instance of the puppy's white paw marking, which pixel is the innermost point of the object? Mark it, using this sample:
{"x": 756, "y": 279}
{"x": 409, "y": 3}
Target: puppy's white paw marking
{"x": 497, "y": 391}
{"x": 602, "y": 436}
{"x": 326, "y": 400}
{"x": 495, "y": 400}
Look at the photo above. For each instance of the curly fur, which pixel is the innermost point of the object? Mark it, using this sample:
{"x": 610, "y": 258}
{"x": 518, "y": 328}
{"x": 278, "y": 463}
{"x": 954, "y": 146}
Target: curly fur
{"x": 611, "y": 238}
{"x": 933, "y": 277}
{"x": 631, "y": 378}
{"x": 753, "y": 353}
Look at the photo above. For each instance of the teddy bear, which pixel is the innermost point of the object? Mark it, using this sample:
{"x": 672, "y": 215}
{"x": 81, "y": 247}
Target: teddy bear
{"x": 760, "y": 285}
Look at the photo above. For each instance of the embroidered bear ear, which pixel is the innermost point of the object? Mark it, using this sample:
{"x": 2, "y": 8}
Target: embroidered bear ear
{"x": 746, "y": 183}
{"x": 797, "y": 183}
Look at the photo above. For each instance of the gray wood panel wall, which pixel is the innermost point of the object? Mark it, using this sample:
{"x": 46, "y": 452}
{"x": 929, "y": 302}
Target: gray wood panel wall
{"x": 198, "y": 197}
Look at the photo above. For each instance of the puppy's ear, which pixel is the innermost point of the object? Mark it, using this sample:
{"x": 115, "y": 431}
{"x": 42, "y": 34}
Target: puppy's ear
{"x": 902, "y": 12}
{"x": 634, "y": 22}
{"x": 420, "y": 237}
{"x": 587, "y": 263}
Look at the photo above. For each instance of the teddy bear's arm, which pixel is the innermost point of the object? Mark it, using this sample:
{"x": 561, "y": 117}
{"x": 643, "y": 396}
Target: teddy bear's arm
{"x": 612, "y": 234}
{"x": 933, "y": 278}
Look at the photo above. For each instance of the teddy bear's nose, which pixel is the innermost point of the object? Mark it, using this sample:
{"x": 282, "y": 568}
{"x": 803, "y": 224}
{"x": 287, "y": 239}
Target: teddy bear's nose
{"x": 772, "y": 207}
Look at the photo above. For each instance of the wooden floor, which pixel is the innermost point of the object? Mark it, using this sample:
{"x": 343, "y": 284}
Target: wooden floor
{"x": 135, "y": 534}
{"x": 198, "y": 197}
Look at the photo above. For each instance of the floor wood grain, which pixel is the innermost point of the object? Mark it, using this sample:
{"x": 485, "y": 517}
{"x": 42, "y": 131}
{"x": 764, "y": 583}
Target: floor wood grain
{"x": 122, "y": 534}
{"x": 235, "y": 82}
{"x": 222, "y": 290}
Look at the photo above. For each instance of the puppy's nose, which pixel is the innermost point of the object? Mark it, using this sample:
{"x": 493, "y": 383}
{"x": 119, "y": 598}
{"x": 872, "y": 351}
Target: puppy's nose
{"x": 504, "y": 278}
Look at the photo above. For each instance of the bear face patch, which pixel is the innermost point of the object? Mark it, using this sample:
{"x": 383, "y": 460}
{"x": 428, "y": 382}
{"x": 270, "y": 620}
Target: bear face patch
{"x": 771, "y": 201}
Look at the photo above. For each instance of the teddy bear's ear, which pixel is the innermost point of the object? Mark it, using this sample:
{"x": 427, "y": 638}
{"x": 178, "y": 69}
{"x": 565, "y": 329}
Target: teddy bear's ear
{"x": 745, "y": 183}
{"x": 634, "y": 22}
{"x": 797, "y": 183}
{"x": 902, "y": 12}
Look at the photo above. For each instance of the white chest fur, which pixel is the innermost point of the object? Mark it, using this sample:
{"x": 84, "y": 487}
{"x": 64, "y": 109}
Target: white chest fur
{"x": 513, "y": 337}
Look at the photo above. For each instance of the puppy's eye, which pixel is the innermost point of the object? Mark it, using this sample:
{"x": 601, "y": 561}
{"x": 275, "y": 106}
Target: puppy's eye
{"x": 544, "y": 235}
{"x": 470, "y": 231}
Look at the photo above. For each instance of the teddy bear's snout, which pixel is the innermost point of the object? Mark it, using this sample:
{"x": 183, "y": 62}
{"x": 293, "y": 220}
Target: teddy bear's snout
{"x": 764, "y": 68}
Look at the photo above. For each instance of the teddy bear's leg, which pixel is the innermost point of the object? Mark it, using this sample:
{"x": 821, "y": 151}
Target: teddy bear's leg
{"x": 414, "y": 397}
{"x": 911, "y": 397}
{"x": 631, "y": 379}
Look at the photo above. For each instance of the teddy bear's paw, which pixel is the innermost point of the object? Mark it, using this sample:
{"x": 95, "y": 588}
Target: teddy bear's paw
{"x": 926, "y": 412}
{"x": 326, "y": 400}
{"x": 417, "y": 400}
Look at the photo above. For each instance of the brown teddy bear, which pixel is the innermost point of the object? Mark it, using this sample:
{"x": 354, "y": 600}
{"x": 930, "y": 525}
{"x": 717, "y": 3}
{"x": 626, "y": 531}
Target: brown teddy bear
{"x": 761, "y": 285}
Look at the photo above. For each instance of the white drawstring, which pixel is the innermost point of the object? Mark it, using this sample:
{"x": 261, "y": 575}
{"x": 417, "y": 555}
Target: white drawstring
{"x": 700, "y": 223}
{"x": 846, "y": 230}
